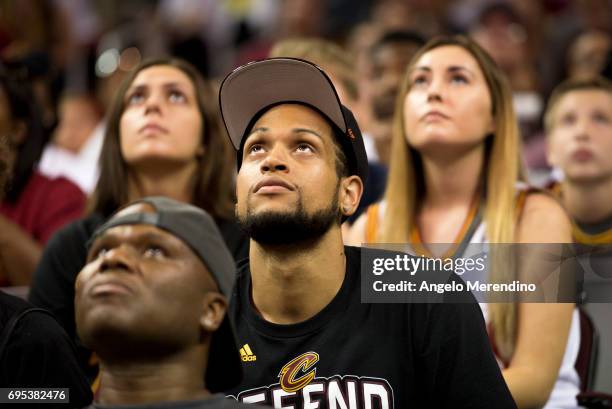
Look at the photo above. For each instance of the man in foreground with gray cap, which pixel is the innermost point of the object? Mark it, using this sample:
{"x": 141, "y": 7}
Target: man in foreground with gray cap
{"x": 308, "y": 341}
{"x": 151, "y": 303}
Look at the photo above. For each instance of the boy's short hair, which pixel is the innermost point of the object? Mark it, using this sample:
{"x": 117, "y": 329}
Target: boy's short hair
{"x": 598, "y": 84}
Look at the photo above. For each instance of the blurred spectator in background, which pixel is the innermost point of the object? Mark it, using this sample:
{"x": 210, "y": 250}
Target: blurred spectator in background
{"x": 579, "y": 128}
{"x": 501, "y": 31}
{"x": 163, "y": 138}
{"x": 301, "y": 18}
{"x": 187, "y": 25}
{"x": 35, "y": 205}
{"x": 423, "y": 16}
{"x": 587, "y": 54}
{"x": 76, "y": 143}
{"x": 293, "y": 19}
{"x": 186, "y": 41}
{"x": 358, "y": 43}
{"x": 594, "y": 14}
{"x": 579, "y": 135}
{"x": 388, "y": 59}
{"x": 79, "y": 115}
{"x": 35, "y": 34}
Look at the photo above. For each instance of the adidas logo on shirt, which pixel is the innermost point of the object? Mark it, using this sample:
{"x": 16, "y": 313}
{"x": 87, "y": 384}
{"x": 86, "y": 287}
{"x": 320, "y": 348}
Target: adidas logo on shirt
{"x": 246, "y": 354}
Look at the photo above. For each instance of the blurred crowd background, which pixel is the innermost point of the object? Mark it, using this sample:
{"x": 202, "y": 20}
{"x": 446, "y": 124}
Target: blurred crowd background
{"x": 74, "y": 53}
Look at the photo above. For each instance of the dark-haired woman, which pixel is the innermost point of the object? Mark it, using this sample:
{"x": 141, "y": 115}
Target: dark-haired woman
{"x": 163, "y": 138}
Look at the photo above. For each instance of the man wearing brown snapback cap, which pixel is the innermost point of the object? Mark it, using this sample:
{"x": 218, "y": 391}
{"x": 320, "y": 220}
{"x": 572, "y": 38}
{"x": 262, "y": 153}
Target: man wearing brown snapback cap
{"x": 151, "y": 303}
{"x": 307, "y": 340}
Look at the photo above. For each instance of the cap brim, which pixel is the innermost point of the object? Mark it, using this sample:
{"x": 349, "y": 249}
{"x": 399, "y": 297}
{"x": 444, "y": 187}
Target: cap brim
{"x": 224, "y": 370}
{"x": 255, "y": 86}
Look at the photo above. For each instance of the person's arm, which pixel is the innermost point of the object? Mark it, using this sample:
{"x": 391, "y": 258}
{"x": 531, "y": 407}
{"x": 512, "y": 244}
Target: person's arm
{"x": 543, "y": 328}
{"x": 19, "y": 253}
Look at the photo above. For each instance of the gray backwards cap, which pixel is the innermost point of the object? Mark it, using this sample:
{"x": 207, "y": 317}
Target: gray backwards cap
{"x": 199, "y": 231}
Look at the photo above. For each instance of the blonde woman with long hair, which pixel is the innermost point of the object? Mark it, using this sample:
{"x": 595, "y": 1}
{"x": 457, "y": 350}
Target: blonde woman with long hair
{"x": 455, "y": 177}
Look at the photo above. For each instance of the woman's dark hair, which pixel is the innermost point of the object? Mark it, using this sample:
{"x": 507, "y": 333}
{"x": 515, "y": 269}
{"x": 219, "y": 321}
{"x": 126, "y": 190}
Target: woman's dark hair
{"x": 213, "y": 187}
{"x": 22, "y": 108}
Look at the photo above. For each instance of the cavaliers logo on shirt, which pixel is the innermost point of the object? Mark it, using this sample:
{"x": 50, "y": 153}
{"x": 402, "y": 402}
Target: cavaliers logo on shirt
{"x": 290, "y": 378}
{"x": 299, "y": 387}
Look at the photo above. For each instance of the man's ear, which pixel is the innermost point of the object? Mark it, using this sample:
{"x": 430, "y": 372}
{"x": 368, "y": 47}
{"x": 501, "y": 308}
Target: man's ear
{"x": 213, "y": 312}
{"x": 351, "y": 189}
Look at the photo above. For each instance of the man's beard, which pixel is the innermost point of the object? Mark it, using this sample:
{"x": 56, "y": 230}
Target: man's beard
{"x": 277, "y": 228}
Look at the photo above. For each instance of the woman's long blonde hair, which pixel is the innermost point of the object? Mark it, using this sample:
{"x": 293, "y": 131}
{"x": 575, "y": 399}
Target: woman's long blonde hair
{"x": 501, "y": 171}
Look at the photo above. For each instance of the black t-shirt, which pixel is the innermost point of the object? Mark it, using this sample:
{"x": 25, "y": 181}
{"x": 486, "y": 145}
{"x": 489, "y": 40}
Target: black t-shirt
{"x": 350, "y": 354}
{"x": 39, "y": 354}
{"x": 214, "y": 402}
{"x": 64, "y": 257}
